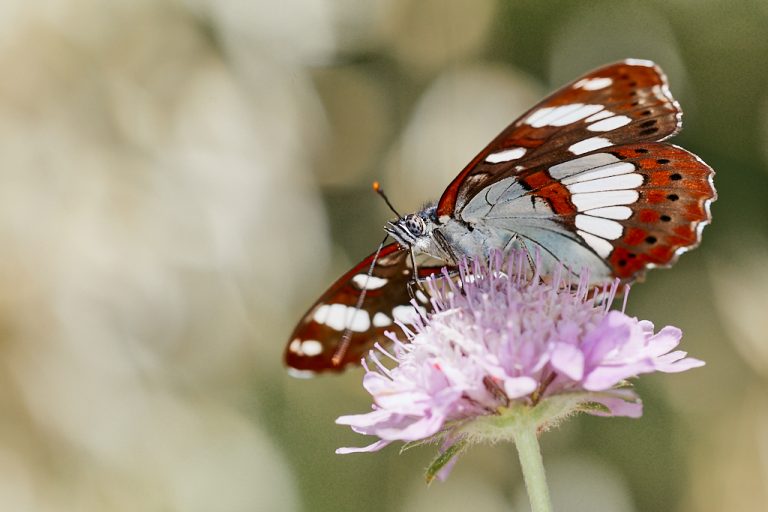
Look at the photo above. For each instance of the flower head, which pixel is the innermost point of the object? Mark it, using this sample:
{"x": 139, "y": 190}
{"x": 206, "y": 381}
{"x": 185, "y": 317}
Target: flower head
{"x": 501, "y": 343}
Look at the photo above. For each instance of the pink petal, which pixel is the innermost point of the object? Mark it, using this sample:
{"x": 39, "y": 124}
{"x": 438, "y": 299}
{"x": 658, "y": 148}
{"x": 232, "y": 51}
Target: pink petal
{"x": 419, "y": 429}
{"x": 614, "y": 331}
{"x": 374, "y": 382}
{"x": 568, "y": 360}
{"x": 676, "y": 364}
{"x": 646, "y": 326}
{"x": 378, "y": 445}
{"x": 402, "y": 401}
{"x": 619, "y": 406}
{"x": 365, "y": 420}
{"x": 666, "y": 339}
{"x": 605, "y": 377}
{"x": 519, "y": 386}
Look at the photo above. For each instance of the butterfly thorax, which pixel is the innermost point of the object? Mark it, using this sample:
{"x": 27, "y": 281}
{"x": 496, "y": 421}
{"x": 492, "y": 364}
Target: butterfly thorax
{"x": 446, "y": 239}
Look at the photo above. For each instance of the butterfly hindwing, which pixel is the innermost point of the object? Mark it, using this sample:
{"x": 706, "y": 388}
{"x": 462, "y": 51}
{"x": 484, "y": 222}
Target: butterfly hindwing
{"x": 671, "y": 209}
{"x": 317, "y": 343}
{"x": 613, "y": 212}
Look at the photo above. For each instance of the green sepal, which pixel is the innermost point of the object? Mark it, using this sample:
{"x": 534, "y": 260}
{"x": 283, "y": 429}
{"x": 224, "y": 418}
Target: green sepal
{"x": 414, "y": 444}
{"x": 590, "y": 407}
{"x": 444, "y": 458}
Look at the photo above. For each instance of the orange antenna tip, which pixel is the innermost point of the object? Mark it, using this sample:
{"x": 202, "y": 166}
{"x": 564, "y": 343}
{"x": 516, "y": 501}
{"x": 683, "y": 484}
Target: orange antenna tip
{"x": 377, "y": 188}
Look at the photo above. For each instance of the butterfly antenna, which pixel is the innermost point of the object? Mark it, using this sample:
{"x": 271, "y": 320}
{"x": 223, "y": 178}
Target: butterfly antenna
{"x": 346, "y": 337}
{"x": 377, "y": 188}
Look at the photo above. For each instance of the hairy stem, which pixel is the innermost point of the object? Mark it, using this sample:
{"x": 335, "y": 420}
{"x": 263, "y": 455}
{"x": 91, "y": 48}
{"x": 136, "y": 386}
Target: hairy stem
{"x": 533, "y": 466}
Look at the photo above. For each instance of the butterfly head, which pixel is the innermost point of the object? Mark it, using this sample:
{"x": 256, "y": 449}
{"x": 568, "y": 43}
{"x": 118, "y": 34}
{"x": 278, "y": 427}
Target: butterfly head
{"x": 414, "y": 229}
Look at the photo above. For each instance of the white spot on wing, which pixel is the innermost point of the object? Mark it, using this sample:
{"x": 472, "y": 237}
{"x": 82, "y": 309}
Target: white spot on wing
{"x": 600, "y": 115}
{"x": 612, "y": 212}
{"x": 609, "y": 124}
{"x": 598, "y": 226}
{"x": 341, "y": 316}
{"x": 578, "y": 165}
{"x": 639, "y": 62}
{"x": 363, "y": 282}
{"x": 321, "y": 314}
{"x": 561, "y": 115}
{"x": 593, "y": 200}
{"x": 604, "y": 171}
{"x": 600, "y": 246}
{"x": 422, "y": 298}
{"x": 381, "y": 320}
{"x": 505, "y": 156}
{"x": 593, "y": 84}
{"x": 555, "y": 113}
{"x": 591, "y": 144}
{"x": 620, "y": 182}
{"x": 536, "y": 116}
{"x": 581, "y": 113}
{"x": 295, "y": 346}
{"x": 361, "y": 321}
{"x": 406, "y": 314}
{"x": 301, "y": 374}
{"x": 311, "y": 348}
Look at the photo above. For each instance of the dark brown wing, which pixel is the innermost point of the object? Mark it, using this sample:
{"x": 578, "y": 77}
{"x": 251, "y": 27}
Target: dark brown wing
{"x": 317, "y": 345}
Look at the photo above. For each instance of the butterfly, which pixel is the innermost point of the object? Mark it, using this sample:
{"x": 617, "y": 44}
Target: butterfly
{"x": 582, "y": 179}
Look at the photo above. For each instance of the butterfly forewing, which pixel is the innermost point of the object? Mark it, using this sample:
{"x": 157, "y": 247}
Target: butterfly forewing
{"x": 621, "y": 103}
{"x": 317, "y": 342}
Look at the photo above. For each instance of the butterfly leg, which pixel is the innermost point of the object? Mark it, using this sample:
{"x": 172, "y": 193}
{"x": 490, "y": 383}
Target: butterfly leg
{"x": 414, "y": 281}
{"x": 416, "y": 284}
{"x": 516, "y": 238}
{"x": 531, "y": 263}
{"x": 445, "y": 246}
{"x": 413, "y": 286}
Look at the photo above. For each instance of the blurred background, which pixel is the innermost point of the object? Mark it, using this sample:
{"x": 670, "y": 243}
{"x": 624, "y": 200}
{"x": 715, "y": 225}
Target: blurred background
{"x": 180, "y": 179}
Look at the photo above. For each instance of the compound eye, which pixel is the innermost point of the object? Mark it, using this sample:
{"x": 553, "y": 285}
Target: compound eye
{"x": 415, "y": 225}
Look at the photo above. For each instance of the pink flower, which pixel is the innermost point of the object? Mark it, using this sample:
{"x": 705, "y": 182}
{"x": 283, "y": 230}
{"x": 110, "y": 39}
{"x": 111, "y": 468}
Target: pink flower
{"x": 500, "y": 341}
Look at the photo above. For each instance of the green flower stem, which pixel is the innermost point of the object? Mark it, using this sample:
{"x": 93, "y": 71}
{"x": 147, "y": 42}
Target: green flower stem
{"x": 520, "y": 423}
{"x": 533, "y": 466}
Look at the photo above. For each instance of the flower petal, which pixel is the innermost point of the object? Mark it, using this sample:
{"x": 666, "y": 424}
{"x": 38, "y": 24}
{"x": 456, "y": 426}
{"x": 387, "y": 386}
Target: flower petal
{"x": 412, "y": 429}
{"x": 676, "y": 362}
{"x": 664, "y": 341}
{"x": 519, "y": 386}
{"x": 378, "y": 445}
{"x": 568, "y": 360}
{"x": 605, "y": 377}
{"x": 614, "y": 331}
{"x": 365, "y": 420}
{"x": 618, "y": 406}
